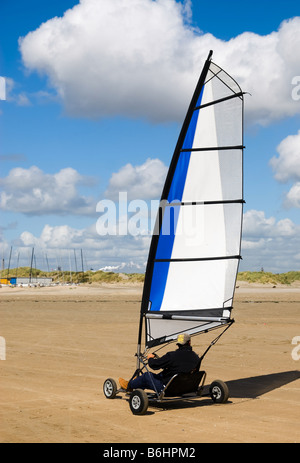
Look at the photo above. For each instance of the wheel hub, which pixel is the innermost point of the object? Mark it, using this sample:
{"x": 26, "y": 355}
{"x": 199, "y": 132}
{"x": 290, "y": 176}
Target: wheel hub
{"x": 136, "y": 402}
{"x": 108, "y": 388}
{"x": 216, "y": 392}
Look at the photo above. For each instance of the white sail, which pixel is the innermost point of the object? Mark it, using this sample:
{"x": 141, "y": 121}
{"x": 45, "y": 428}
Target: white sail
{"x": 194, "y": 255}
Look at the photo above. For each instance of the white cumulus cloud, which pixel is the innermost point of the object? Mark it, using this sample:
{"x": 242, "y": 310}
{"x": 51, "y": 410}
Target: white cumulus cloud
{"x": 141, "y": 58}
{"x": 269, "y": 243}
{"x": 266, "y": 243}
{"x": 257, "y": 225}
{"x": 286, "y": 168}
{"x": 144, "y": 181}
{"x": 292, "y": 198}
{"x": 33, "y": 192}
{"x": 60, "y": 243}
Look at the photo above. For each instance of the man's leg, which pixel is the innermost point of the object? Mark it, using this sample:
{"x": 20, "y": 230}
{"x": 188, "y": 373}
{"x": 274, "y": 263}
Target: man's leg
{"x": 147, "y": 381}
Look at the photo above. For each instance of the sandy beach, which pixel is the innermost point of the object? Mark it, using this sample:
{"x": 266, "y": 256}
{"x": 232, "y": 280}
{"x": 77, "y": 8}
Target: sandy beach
{"x": 63, "y": 342}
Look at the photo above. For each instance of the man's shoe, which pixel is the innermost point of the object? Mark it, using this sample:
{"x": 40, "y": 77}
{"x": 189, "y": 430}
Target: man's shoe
{"x": 123, "y": 383}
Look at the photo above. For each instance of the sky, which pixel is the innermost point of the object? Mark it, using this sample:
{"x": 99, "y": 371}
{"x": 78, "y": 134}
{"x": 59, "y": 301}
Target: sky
{"x": 92, "y": 98}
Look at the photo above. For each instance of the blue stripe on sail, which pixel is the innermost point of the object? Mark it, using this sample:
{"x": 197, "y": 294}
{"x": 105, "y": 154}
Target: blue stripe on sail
{"x": 177, "y": 187}
{"x": 166, "y": 239}
{"x": 200, "y": 97}
{"x": 159, "y": 278}
{"x": 164, "y": 251}
{"x": 189, "y": 138}
{"x": 167, "y": 232}
{"x": 179, "y": 178}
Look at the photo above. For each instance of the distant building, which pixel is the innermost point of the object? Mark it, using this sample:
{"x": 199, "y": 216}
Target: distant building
{"x": 34, "y": 281}
{"x": 25, "y": 281}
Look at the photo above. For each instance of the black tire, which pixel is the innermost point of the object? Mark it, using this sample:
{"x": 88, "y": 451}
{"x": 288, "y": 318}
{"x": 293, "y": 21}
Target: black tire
{"x": 138, "y": 402}
{"x": 110, "y": 388}
{"x": 219, "y": 392}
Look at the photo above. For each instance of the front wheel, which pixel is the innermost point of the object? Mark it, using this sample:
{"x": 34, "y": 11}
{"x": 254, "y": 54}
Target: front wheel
{"x": 219, "y": 391}
{"x": 110, "y": 388}
{"x": 138, "y": 402}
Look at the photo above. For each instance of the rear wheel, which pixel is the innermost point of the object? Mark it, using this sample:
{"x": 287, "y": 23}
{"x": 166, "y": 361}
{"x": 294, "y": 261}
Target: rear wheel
{"x": 138, "y": 402}
{"x": 110, "y": 388}
{"x": 219, "y": 391}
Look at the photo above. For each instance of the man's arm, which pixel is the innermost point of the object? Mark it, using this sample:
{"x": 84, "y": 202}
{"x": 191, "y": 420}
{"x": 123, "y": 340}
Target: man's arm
{"x": 156, "y": 363}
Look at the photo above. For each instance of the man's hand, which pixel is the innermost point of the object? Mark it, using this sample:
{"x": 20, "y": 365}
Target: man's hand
{"x": 151, "y": 356}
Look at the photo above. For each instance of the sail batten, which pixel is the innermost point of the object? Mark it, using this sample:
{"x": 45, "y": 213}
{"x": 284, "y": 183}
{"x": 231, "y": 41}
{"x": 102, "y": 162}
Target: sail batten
{"x": 203, "y": 203}
{"x": 220, "y": 100}
{"x": 212, "y": 148}
{"x": 187, "y": 318}
{"x": 195, "y": 252}
{"x": 195, "y": 259}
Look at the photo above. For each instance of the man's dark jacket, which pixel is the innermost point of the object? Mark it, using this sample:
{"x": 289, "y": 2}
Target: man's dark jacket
{"x": 182, "y": 360}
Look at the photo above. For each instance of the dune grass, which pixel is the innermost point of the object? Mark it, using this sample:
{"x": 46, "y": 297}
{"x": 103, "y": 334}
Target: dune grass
{"x": 59, "y": 276}
{"x": 112, "y": 277}
{"x": 269, "y": 278}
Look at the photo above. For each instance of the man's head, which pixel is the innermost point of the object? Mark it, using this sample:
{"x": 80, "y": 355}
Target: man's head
{"x": 183, "y": 339}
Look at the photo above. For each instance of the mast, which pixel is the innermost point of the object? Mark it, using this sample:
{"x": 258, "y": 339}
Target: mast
{"x": 82, "y": 264}
{"x": 17, "y": 264}
{"x": 47, "y": 262}
{"x": 70, "y": 267}
{"x": 75, "y": 262}
{"x": 30, "y": 275}
{"x": 8, "y": 268}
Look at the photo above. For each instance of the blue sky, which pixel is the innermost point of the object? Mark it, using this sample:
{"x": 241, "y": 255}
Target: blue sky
{"x": 94, "y": 103}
